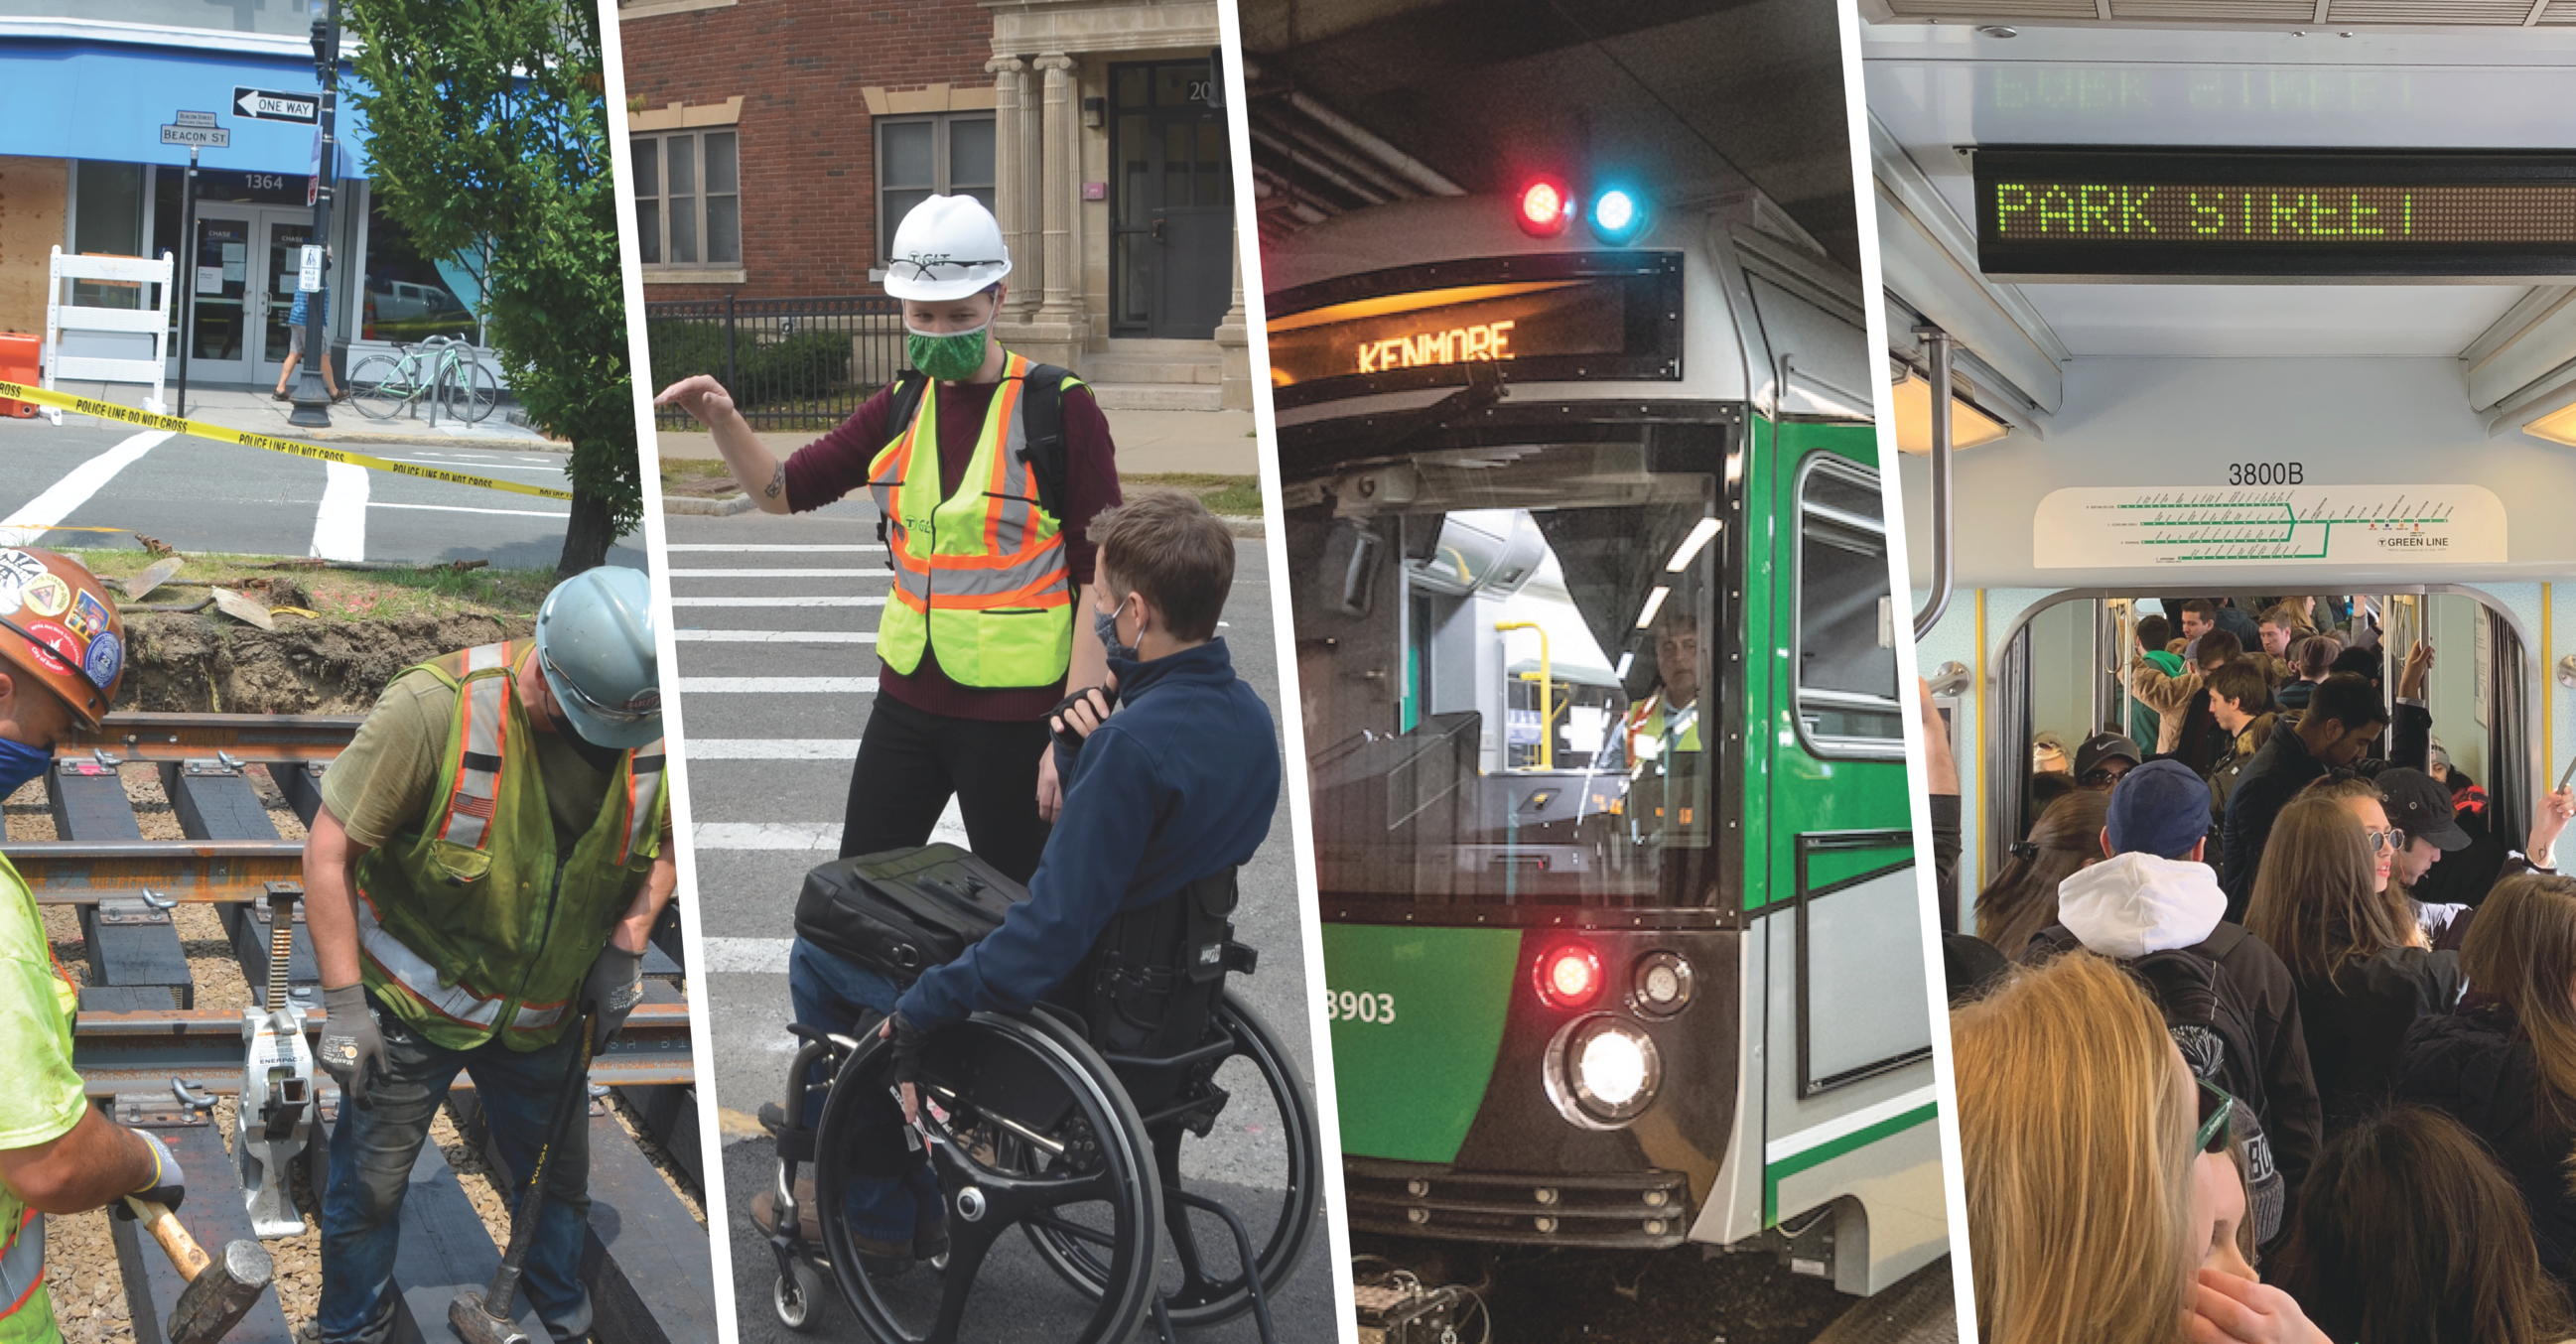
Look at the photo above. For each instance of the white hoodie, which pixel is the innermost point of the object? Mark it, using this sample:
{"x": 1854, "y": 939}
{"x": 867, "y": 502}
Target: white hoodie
{"x": 2136, "y": 903}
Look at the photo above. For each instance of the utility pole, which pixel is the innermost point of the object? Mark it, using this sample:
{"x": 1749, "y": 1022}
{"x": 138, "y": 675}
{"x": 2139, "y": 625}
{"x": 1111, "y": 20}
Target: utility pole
{"x": 312, "y": 394}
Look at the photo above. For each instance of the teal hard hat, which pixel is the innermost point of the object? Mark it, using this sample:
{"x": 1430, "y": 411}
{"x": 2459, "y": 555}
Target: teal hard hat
{"x": 595, "y": 642}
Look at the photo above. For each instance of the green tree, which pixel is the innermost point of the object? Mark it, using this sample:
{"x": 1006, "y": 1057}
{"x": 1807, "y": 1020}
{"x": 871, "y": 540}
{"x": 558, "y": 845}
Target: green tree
{"x": 489, "y": 127}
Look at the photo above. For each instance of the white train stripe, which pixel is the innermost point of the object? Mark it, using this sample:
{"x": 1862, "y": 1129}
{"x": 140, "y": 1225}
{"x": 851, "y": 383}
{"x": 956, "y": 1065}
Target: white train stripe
{"x": 775, "y": 636}
{"x": 1781, "y": 1149}
{"x": 780, "y": 685}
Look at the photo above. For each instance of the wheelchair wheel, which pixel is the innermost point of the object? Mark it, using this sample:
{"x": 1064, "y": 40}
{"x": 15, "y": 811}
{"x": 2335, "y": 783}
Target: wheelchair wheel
{"x": 1212, "y": 1287}
{"x": 1029, "y": 1128}
{"x": 795, "y": 1295}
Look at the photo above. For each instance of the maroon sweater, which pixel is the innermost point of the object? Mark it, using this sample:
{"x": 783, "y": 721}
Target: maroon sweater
{"x": 837, "y": 464}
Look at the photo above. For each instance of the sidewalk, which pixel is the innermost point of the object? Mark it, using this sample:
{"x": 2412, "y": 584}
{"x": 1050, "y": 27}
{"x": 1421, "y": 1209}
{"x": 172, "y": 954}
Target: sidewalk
{"x": 256, "y": 412}
{"x": 1149, "y": 442}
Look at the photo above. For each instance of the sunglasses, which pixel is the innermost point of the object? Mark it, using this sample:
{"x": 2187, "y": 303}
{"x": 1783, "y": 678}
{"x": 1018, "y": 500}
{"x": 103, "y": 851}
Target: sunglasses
{"x": 612, "y": 713}
{"x": 2215, "y": 1106}
{"x": 2103, "y": 775}
{"x": 2390, "y": 839}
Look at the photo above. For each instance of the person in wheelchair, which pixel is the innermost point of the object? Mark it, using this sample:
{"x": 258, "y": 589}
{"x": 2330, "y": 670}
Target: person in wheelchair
{"x": 1171, "y": 776}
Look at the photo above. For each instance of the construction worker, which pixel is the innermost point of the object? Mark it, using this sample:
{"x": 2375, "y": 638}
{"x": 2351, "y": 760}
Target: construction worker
{"x": 982, "y": 626}
{"x": 62, "y": 648}
{"x": 491, "y": 854}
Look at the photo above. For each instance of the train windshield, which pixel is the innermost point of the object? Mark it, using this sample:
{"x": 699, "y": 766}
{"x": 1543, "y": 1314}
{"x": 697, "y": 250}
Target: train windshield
{"x": 1506, "y": 663}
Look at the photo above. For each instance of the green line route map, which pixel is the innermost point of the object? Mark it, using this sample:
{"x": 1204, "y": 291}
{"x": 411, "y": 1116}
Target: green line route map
{"x": 2093, "y": 527}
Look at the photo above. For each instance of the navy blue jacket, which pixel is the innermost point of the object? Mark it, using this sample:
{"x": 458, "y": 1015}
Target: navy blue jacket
{"x": 1178, "y": 784}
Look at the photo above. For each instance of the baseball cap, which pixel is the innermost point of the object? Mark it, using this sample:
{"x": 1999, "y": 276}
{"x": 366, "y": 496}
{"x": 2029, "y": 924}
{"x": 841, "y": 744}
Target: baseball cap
{"x": 2160, "y": 808}
{"x": 2103, "y": 747}
{"x": 2418, "y": 806}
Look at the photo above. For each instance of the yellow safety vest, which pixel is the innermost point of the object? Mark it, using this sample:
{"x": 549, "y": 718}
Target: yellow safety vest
{"x": 981, "y": 574}
{"x": 467, "y": 927}
{"x": 26, "y": 1312}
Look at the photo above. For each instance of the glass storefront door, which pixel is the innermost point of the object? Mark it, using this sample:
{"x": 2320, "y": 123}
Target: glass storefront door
{"x": 286, "y": 240}
{"x": 242, "y": 282}
{"x": 1171, "y": 203}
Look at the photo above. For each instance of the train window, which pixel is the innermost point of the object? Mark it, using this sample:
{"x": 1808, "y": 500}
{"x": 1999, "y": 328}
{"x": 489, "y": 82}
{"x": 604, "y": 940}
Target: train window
{"x": 1846, "y": 650}
{"x": 1504, "y": 675}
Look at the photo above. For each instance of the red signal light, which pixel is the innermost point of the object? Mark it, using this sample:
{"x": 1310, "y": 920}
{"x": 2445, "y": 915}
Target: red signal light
{"x": 1546, "y": 207}
{"x": 1569, "y": 976}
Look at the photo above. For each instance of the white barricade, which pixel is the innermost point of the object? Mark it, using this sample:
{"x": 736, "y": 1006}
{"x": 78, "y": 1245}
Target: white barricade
{"x": 116, "y": 345}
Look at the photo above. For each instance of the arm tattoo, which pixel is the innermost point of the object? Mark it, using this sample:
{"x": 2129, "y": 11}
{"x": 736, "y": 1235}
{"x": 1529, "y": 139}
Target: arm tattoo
{"x": 777, "y": 481}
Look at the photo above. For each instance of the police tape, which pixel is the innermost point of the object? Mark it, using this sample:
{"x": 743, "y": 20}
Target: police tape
{"x": 108, "y": 410}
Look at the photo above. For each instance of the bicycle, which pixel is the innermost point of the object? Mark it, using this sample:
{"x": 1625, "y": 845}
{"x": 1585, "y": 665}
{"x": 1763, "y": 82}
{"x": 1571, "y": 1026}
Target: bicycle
{"x": 436, "y": 369}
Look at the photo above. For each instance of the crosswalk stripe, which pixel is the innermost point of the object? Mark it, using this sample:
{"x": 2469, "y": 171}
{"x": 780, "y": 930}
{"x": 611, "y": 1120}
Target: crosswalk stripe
{"x": 773, "y": 573}
{"x": 744, "y": 956}
{"x": 780, "y": 685}
{"x": 824, "y": 835}
{"x": 772, "y": 749}
{"x": 776, "y": 636}
{"x": 766, "y": 546}
{"x": 37, "y": 516}
{"x": 835, "y": 600}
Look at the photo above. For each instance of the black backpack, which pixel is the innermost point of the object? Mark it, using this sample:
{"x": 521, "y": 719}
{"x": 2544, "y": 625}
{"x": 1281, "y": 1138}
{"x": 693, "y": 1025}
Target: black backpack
{"x": 2213, "y": 1026}
{"x": 1043, "y": 402}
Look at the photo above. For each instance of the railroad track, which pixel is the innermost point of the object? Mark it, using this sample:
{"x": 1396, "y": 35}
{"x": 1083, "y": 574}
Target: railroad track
{"x": 141, "y": 1039}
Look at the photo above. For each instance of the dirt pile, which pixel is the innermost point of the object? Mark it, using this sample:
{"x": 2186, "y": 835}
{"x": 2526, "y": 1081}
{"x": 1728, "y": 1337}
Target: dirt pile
{"x": 211, "y": 664}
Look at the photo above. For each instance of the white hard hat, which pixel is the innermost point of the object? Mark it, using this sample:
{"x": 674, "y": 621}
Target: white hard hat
{"x": 947, "y": 247}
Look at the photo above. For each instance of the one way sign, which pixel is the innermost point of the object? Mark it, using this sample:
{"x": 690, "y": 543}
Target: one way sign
{"x": 269, "y": 105}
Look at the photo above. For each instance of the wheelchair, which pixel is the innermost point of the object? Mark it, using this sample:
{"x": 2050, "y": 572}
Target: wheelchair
{"x": 1061, "y": 1124}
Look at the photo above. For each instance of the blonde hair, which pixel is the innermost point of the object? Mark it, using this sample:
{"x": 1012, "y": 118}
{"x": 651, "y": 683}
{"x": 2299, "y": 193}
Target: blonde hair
{"x": 2075, "y": 1131}
{"x": 2522, "y": 949}
{"x": 2316, "y": 899}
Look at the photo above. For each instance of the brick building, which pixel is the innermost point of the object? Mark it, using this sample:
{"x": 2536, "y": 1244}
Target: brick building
{"x": 778, "y": 142}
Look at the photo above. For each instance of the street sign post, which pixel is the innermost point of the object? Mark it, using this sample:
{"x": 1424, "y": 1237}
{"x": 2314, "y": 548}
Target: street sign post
{"x": 272, "y": 105}
{"x": 197, "y": 137}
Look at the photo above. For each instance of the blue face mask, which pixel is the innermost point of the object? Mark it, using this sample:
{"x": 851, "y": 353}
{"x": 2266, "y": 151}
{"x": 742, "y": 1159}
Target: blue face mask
{"x": 1105, "y": 624}
{"x": 20, "y": 763}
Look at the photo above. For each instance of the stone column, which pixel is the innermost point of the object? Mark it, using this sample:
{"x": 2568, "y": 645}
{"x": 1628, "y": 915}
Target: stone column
{"x": 1010, "y": 192}
{"x": 1057, "y": 186}
{"x": 1234, "y": 343}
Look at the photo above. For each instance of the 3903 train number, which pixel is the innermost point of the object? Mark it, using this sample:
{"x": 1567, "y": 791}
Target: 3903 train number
{"x": 1353, "y": 1006}
{"x": 2267, "y": 473}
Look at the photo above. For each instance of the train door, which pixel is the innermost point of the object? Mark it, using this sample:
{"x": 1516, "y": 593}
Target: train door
{"x": 1849, "y": 1156}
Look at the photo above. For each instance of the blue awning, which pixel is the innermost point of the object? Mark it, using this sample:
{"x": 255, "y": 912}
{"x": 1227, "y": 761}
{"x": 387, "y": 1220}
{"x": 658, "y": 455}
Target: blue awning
{"x": 84, "y": 100}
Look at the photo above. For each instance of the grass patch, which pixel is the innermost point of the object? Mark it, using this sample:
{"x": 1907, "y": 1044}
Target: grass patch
{"x": 704, "y": 477}
{"x": 340, "y": 594}
{"x": 1233, "y": 496}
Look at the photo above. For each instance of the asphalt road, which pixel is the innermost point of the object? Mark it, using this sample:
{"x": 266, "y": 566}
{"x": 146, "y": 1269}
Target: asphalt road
{"x": 772, "y": 667}
{"x": 206, "y": 495}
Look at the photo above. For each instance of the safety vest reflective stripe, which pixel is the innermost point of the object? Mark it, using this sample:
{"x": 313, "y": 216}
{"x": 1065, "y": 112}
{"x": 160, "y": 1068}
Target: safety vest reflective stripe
{"x": 538, "y": 1016}
{"x": 1011, "y": 559}
{"x": 478, "y": 777}
{"x": 643, "y": 786}
{"x": 22, "y": 1265}
{"x": 417, "y": 975}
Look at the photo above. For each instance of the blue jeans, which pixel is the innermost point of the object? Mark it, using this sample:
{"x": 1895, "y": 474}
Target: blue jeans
{"x": 371, "y": 1159}
{"x": 834, "y": 994}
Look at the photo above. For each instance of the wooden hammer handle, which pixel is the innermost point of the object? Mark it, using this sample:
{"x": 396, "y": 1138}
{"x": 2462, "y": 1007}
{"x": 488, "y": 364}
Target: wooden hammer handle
{"x": 190, "y": 1258}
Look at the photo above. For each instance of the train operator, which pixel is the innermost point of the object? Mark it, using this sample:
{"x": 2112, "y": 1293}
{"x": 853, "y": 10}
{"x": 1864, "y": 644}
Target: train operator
{"x": 62, "y": 649}
{"x": 491, "y": 853}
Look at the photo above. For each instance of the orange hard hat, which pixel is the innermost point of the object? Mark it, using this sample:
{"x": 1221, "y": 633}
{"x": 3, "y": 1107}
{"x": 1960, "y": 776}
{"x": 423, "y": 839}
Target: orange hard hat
{"x": 58, "y": 624}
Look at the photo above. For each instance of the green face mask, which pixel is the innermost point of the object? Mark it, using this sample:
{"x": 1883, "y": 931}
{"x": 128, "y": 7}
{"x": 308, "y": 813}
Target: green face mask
{"x": 951, "y": 358}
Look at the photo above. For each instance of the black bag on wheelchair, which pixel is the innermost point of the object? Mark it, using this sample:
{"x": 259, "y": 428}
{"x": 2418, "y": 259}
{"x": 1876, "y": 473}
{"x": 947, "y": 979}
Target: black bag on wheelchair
{"x": 1148, "y": 990}
{"x": 903, "y": 911}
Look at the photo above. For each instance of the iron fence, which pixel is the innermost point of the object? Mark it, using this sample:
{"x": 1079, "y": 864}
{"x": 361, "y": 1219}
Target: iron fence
{"x": 788, "y": 363}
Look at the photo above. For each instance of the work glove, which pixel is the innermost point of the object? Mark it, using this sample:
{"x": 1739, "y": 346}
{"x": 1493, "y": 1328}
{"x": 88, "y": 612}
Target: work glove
{"x": 351, "y": 1045}
{"x": 615, "y": 986}
{"x": 168, "y": 1185}
{"x": 909, "y": 1041}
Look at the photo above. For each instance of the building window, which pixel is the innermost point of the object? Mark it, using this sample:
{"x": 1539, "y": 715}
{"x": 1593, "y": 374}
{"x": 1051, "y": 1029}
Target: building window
{"x": 919, "y": 157}
{"x": 688, "y": 199}
{"x": 1846, "y": 656}
{"x": 411, "y": 295}
{"x": 107, "y": 220}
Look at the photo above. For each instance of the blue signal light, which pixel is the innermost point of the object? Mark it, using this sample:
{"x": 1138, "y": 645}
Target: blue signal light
{"x": 1617, "y": 215}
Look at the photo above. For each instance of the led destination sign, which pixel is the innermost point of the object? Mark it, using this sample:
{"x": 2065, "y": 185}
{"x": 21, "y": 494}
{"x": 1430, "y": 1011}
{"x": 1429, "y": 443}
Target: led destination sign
{"x": 1562, "y": 317}
{"x": 2112, "y": 213}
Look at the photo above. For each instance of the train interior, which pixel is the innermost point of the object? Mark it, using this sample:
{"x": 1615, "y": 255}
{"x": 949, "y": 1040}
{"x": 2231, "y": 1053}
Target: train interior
{"x": 2410, "y": 429}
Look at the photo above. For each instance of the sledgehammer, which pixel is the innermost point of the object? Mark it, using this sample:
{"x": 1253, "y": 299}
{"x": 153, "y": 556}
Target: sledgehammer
{"x": 485, "y": 1318}
{"x": 219, "y": 1292}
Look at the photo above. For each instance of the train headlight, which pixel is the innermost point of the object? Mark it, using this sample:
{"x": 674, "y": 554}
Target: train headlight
{"x": 1569, "y": 976}
{"x": 1662, "y": 984}
{"x": 1603, "y": 1071}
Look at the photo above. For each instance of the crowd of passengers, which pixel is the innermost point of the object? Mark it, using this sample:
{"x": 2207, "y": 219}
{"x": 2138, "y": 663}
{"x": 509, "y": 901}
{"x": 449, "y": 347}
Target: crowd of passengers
{"x": 2262, "y": 1035}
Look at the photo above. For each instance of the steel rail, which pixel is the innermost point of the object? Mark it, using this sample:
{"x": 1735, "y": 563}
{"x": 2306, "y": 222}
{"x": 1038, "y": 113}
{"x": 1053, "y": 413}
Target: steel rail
{"x": 143, "y": 1051}
{"x": 264, "y": 739}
